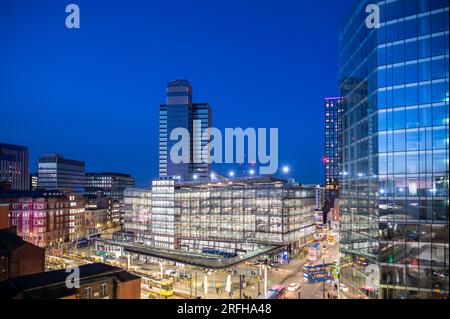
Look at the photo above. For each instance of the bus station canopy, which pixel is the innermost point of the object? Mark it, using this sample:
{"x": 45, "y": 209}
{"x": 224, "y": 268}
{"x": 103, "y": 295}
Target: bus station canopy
{"x": 202, "y": 260}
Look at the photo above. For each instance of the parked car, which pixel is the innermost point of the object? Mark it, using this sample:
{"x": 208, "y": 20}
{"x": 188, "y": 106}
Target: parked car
{"x": 171, "y": 273}
{"x": 293, "y": 286}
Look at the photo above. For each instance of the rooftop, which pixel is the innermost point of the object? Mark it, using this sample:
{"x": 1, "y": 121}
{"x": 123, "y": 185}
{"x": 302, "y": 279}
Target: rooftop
{"x": 51, "y": 284}
{"x": 9, "y": 241}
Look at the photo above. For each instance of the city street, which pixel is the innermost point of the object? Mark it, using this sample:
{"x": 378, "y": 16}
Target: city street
{"x": 252, "y": 285}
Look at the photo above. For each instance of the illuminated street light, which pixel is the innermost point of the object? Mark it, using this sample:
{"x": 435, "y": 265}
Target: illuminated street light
{"x": 195, "y": 177}
{"x": 285, "y": 169}
{"x": 231, "y": 173}
{"x": 252, "y": 172}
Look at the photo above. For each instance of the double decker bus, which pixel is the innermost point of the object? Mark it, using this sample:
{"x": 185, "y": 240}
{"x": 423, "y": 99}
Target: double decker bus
{"x": 318, "y": 272}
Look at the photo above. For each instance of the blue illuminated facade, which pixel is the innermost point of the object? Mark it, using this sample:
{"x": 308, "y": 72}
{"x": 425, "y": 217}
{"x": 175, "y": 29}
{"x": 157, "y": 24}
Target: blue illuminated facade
{"x": 180, "y": 112}
{"x": 394, "y": 200}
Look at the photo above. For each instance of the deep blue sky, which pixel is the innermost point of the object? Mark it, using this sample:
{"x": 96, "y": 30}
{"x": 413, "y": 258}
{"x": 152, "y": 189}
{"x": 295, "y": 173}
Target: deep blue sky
{"x": 93, "y": 94}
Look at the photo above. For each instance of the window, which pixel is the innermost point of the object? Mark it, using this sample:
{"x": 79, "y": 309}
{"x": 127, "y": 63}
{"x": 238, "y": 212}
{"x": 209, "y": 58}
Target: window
{"x": 104, "y": 290}
{"x": 88, "y": 292}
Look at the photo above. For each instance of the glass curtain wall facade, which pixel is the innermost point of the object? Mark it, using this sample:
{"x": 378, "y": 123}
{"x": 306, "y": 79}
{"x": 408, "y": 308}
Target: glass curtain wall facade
{"x": 201, "y": 115}
{"x": 180, "y": 112}
{"x": 137, "y": 214}
{"x": 333, "y": 113}
{"x": 394, "y": 197}
{"x": 56, "y": 172}
{"x": 110, "y": 184}
{"x": 164, "y": 216}
{"x": 245, "y": 215}
{"x": 14, "y": 166}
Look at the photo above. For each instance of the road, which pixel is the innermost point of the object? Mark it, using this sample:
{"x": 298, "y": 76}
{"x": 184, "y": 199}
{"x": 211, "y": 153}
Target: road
{"x": 283, "y": 274}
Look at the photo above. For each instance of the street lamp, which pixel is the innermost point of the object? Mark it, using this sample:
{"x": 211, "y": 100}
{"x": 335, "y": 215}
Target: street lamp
{"x": 231, "y": 174}
{"x": 252, "y": 172}
{"x": 285, "y": 169}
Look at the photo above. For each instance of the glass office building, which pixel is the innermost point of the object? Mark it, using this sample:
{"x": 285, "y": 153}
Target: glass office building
{"x": 333, "y": 114}
{"x": 394, "y": 197}
{"x": 14, "y": 168}
{"x": 57, "y": 172}
{"x": 243, "y": 214}
{"x": 136, "y": 217}
{"x": 110, "y": 184}
{"x": 180, "y": 112}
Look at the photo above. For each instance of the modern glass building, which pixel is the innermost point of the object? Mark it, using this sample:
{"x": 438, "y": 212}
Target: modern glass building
{"x": 110, "y": 184}
{"x": 14, "y": 166}
{"x": 243, "y": 214}
{"x": 57, "y": 172}
{"x": 137, "y": 210}
{"x": 180, "y": 112}
{"x": 395, "y": 176}
{"x": 333, "y": 115}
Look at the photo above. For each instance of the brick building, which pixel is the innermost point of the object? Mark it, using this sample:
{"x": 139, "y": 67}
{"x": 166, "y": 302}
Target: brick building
{"x": 18, "y": 257}
{"x": 97, "y": 281}
{"x": 47, "y": 219}
{"x": 4, "y": 209}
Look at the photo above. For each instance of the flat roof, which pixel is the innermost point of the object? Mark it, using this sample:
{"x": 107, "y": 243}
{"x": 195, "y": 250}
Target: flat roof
{"x": 194, "y": 259}
{"x": 13, "y": 146}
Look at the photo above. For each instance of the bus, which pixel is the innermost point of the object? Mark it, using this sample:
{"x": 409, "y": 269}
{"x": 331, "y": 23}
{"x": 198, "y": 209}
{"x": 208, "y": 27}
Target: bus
{"x": 276, "y": 292}
{"x": 224, "y": 254}
{"x": 318, "y": 272}
{"x": 157, "y": 287}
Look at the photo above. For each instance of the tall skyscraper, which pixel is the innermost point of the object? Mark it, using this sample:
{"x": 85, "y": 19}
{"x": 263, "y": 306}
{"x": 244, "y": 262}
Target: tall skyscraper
{"x": 180, "y": 112}
{"x": 14, "y": 168}
{"x": 395, "y": 157}
{"x": 333, "y": 113}
{"x": 57, "y": 172}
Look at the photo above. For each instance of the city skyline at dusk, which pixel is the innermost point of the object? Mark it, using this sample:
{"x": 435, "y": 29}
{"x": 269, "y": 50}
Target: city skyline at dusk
{"x": 225, "y": 157}
{"x": 93, "y": 93}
